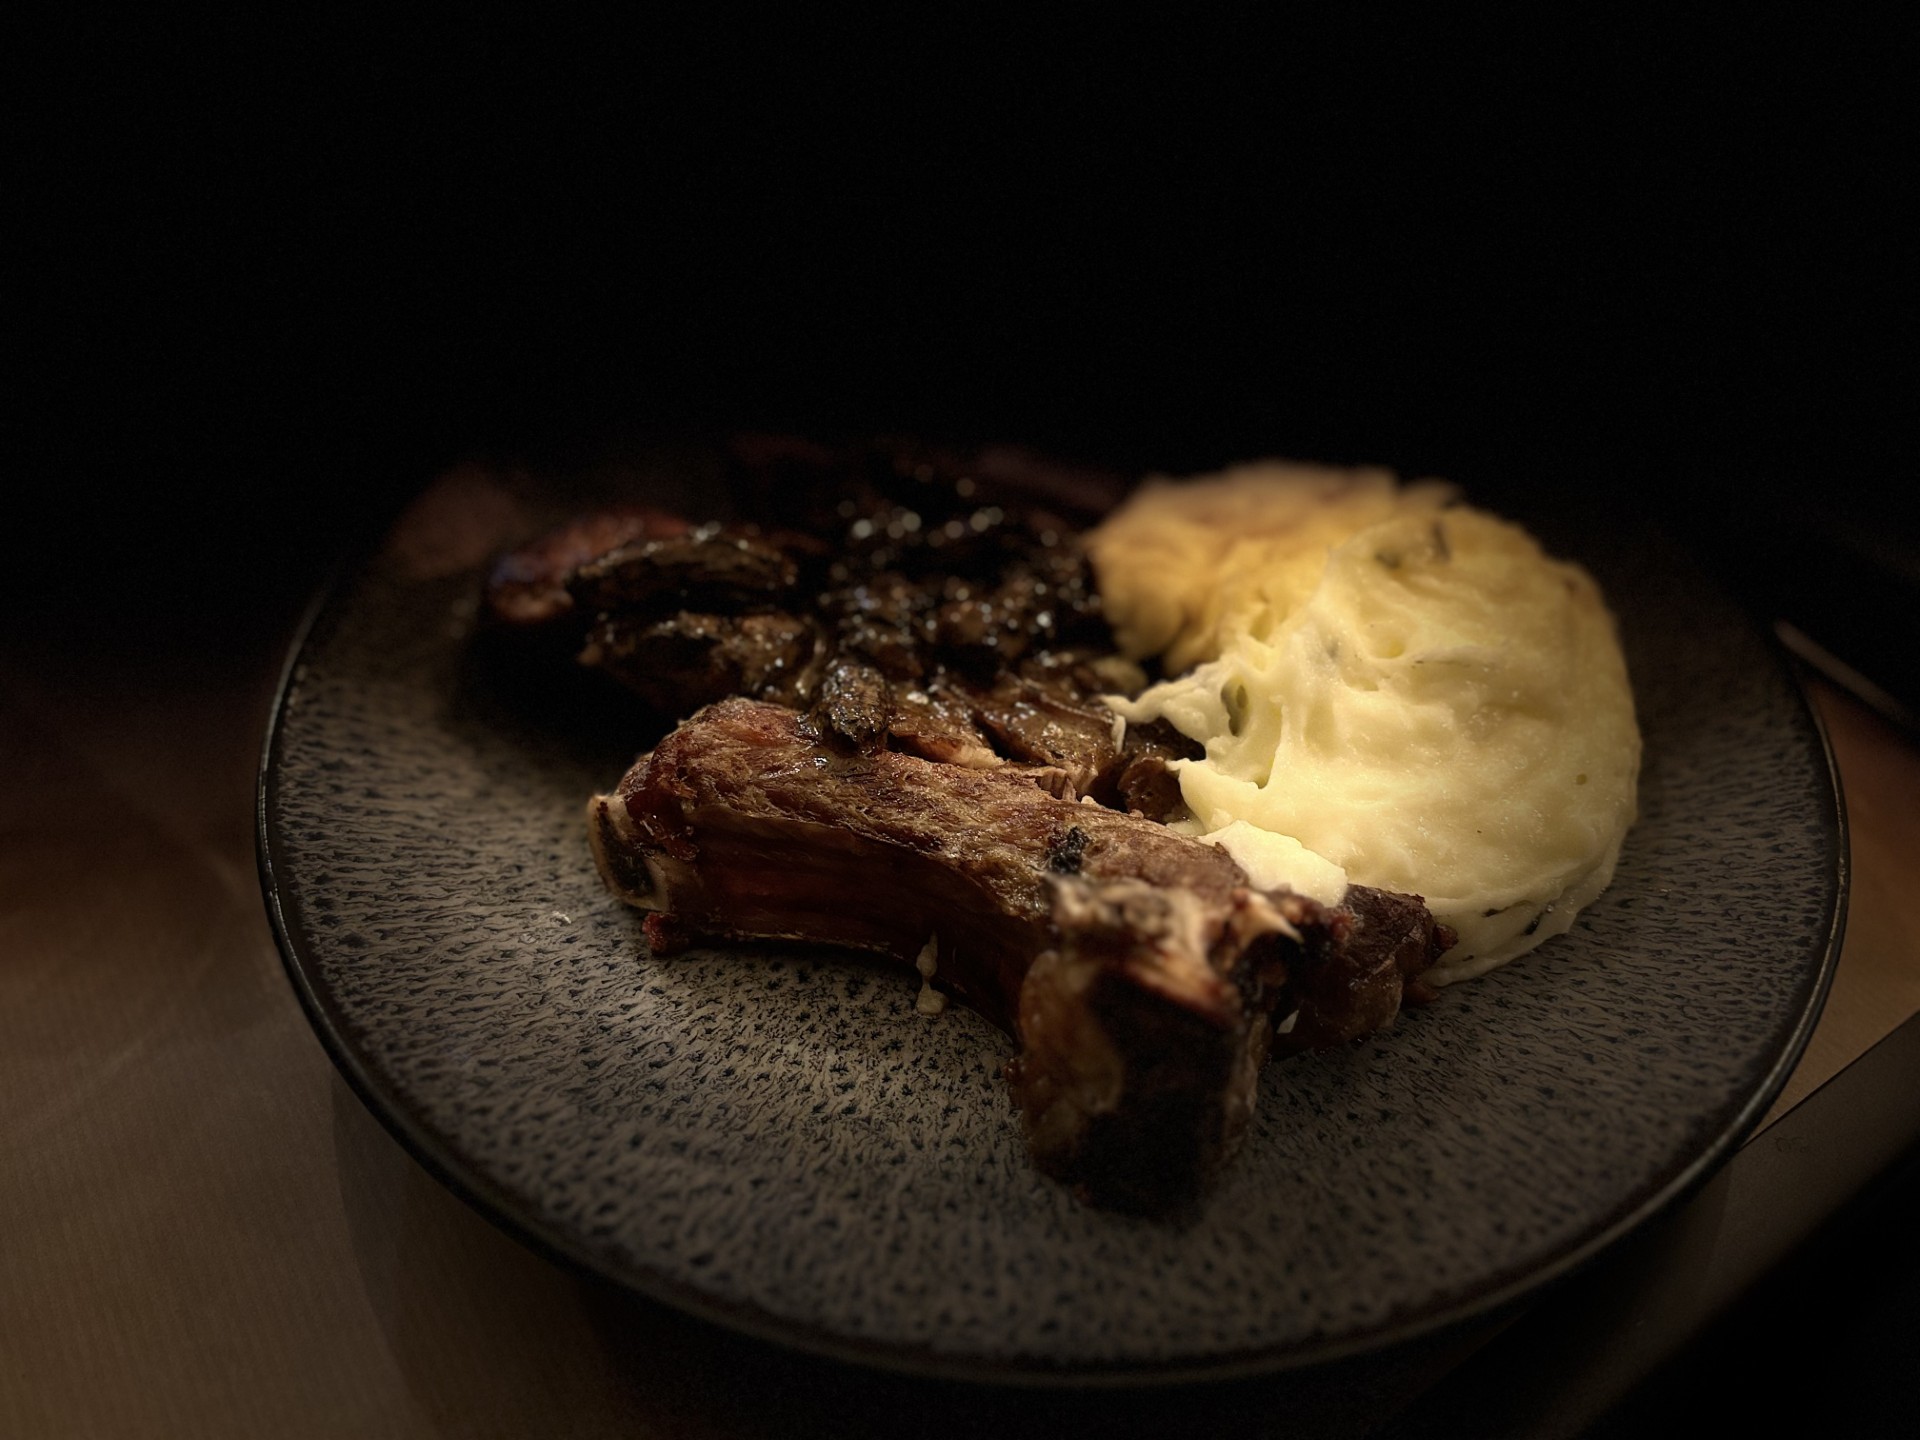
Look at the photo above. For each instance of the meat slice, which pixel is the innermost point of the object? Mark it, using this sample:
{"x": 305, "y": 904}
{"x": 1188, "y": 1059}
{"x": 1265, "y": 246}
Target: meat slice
{"x": 878, "y": 619}
{"x": 1042, "y": 724}
{"x": 1142, "y": 778}
{"x": 1137, "y": 967}
{"x": 709, "y": 568}
{"x": 528, "y": 587}
{"x": 938, "y": 726}
{"x": 688, "y": 660}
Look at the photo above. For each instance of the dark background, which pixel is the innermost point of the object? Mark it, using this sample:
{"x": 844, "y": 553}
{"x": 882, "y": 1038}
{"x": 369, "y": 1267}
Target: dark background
{"x": 274, "y": 279}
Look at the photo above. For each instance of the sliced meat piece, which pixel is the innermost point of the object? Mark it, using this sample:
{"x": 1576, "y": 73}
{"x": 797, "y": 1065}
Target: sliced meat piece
{"x": 1016, "y": 599}
{"x": 936, "y": 725}
{"x": 714, "y": 568}
{"x": 985, "y": 620}
{"x": 1041, "y": 724}
{"x": 528, "y": 586}
{"x": 878, "y": 619}
{"x": 1142, "y": 779}
{"x": 681, "y": 663}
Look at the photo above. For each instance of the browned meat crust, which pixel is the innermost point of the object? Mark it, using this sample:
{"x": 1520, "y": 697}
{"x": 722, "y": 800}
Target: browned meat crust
{"x": 528, "y": 586}
{"x": 751, "y": 826}
{"x": 716, "y": 568}
{"x": 903, "y": 597}
{"x": 1142, "y": 779}
{"x": 686, "y": 660}
{"x": 1356, "y": 975}
{"x": 1044, "y": 724}
{"x": 1137, "y": 967}
{"x": 1142, "y": 1034}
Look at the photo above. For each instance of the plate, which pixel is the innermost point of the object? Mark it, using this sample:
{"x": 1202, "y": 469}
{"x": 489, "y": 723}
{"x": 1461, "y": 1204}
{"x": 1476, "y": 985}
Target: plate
{"x": 781, "y": 1143}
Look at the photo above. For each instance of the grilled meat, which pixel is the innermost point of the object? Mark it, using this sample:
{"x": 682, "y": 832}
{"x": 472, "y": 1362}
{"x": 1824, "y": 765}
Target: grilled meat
{"x": 1137, "y": 967}
{"x": 918, "y": 612}
{"x": 684, "y": 661}
{"x": 528, "y": 586}
{"x": 719, "y": 568}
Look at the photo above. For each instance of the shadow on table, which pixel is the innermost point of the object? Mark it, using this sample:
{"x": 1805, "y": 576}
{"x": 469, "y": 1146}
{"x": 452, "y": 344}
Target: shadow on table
{"x": 493, "y": 1339}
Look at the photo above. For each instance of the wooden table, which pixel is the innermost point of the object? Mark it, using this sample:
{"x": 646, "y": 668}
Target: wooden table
{"x": 203, "y": 1232}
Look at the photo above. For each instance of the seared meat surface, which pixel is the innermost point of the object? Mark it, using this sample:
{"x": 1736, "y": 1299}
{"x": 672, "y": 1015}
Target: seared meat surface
{"x": 750, "y": 823}
{"x": 894, "y": 597}
{"x": 1137, "y": 967}
{"x": 684, "y": 661}
{"x": 529, "y": 586}
{"x": 712, "y": 567}
{"x": 892, "y": 738}
{"x": 1142, "y": 1034}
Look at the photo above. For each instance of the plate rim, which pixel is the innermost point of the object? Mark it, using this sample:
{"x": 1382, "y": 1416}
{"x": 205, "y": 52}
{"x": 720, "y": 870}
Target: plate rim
{"x": 498, "y": 1205}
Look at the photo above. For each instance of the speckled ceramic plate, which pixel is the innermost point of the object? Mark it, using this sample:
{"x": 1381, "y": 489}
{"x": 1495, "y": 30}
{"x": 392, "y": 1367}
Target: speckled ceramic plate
{"x": 781, "y": 1143}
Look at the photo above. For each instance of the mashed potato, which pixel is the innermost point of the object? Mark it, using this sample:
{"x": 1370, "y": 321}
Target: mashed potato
{"x": 1184, "y": 563}
{"x": 1392, "y": 690}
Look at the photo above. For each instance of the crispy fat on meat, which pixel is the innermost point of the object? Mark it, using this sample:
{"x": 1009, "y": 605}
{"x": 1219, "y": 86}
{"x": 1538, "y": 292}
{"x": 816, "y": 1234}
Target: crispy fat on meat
{"x": 1137, "y": 967}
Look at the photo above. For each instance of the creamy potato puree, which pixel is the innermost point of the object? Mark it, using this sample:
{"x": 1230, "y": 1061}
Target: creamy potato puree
{"x": 1395, "y": 691}
{"x": 1184, "y": 563}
